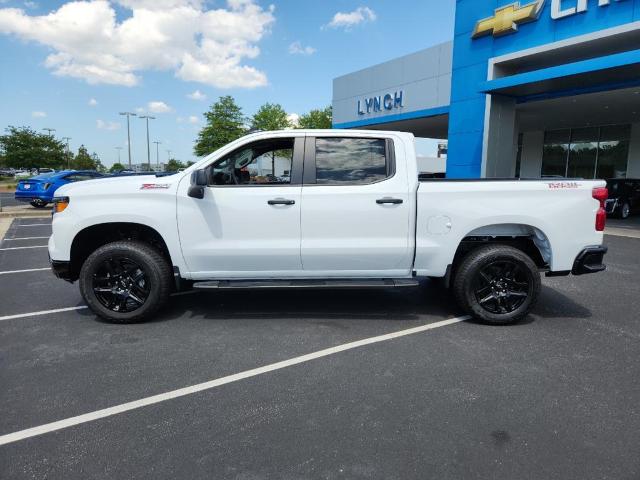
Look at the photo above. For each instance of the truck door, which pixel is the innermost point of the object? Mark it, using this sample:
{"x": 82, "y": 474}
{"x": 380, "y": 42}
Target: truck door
{"x": 356, "y": 209}
{"x": 248, "y": 223}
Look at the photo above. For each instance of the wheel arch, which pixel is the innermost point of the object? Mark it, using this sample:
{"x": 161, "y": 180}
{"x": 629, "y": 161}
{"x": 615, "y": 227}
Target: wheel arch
{"x": 94, "y": 236}
{"x": 529, "y": 239}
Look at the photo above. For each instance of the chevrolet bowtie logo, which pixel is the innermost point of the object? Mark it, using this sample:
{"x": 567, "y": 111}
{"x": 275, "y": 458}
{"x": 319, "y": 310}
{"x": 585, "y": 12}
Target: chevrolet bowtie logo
{"x": 506, "y": 19}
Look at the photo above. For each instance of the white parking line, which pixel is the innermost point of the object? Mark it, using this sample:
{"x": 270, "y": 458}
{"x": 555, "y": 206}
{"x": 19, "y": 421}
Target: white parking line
{"x": 24, "y": 238}
{"x": 35, "y": 225}
{"x": 42, "y": 312}
{"x": 181, "y": 392}
{"x": 23, "y": 248}
{"x": 8, "y": 272}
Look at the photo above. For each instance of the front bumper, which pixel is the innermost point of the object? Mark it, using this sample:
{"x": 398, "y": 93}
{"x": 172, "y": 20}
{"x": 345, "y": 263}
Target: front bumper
{"x": 62, "y": 270}
{"x": 590, "y": 260}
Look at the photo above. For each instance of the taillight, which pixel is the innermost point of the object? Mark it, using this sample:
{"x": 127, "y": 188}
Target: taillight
{"x": 601, "y": 194}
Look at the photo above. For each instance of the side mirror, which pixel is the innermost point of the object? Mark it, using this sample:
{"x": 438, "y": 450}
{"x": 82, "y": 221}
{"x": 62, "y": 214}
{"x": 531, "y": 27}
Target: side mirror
{"x": 198, "y": 183}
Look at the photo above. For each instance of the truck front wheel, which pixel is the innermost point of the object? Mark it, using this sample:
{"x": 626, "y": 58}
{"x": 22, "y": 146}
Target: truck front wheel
{"x": 497, "y": 284}
{"x": 125, "y": 281}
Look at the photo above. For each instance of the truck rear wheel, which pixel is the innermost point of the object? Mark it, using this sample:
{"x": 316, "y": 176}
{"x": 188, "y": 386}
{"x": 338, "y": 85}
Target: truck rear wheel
{"x": 497, "y": 284}
{"x": 125, "y": 281}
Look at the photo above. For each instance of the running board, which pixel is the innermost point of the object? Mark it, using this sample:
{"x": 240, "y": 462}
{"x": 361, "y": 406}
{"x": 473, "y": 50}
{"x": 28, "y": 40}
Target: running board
{"x": 327, "y": 283}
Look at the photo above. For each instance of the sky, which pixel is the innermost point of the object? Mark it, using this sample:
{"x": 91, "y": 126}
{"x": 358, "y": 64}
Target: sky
{"x": 74, "y": 66}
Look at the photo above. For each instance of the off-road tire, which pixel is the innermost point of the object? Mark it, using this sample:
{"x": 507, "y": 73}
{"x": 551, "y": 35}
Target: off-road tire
{"x": 157, "y": 272}
{"x": 470, "y": 274}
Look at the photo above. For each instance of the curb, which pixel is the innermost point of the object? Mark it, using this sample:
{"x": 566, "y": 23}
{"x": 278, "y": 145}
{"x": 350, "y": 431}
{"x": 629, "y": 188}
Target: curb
{"x": 24, "y": 214}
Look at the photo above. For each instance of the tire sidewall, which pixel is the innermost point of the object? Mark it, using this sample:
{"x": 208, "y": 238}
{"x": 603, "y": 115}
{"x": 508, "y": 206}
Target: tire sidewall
{"x": 140, "y": 255}
{"x": 479, "y": 259}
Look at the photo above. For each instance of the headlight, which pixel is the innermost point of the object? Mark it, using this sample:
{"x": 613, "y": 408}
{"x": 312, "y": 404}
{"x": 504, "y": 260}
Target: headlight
{"x": 60, "y": 204}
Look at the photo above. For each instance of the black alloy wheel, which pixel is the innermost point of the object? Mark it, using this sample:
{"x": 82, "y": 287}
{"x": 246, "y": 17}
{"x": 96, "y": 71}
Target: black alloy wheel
{"x": 501, "y": 287}
{"x": 120, "y": 284}
{"x": 126, "y": 281}
{"x": 497, "y": 284}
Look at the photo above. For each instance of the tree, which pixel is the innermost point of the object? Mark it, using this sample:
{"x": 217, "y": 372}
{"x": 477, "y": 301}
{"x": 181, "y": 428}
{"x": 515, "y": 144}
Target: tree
{"x": 173, "y": 165}
{"x": 225, "y": 124}
{"x": 83, "y": 160}
{"x": 270, "y": 116}
{"x": 99, "y": 166}
{"x": 116, "y": 167}
{"x": 317, "y": 119}
{"x": 25, "y": 148}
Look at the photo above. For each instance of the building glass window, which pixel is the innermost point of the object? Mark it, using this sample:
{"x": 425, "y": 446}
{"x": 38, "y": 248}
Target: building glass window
{"x": 614, "y": 151}
{"x": 583, "y": 152}
{"x": 555, "y": 152}
{"x": 590, "y": 152}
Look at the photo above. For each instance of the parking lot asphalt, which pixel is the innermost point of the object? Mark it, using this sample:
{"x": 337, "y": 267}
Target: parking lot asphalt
{"x": 555, "y": 396}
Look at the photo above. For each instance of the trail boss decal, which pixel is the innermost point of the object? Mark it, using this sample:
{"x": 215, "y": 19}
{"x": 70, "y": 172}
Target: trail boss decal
{"x": 155, "y": 186}
{"x": 560, "y": 185}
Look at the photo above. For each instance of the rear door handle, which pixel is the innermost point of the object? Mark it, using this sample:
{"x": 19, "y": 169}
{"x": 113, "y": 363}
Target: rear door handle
{"x": 281, "y": 201}
{"x": 389, "y": 200}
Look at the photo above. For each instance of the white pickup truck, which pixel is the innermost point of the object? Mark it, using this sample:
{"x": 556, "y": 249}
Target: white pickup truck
{"x": 322, "y": 208}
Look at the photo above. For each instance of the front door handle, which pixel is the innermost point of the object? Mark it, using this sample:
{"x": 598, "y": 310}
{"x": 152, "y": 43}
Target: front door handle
{"x": 281, "y": 201}
{"x": 389, "y": 200}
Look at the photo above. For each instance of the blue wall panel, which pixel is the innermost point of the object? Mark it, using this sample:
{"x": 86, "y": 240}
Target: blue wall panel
{"x": 471, "y": 58}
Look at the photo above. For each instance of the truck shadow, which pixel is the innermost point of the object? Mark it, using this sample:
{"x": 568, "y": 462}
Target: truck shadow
{"x": 428, "y": 300}
{"x": 383, "y": 304}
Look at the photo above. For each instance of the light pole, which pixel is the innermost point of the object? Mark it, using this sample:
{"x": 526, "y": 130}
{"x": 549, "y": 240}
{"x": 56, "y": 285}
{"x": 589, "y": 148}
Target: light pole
{"x": 66, "y": 139}
{"x": 147, "y": 118}
{"x": 129, "y": 114}
{"x": 118, "y": 149}
{"x": 168, "y": 155}
{"x": 49, "y": 130}
{"x": 157, "y": 154}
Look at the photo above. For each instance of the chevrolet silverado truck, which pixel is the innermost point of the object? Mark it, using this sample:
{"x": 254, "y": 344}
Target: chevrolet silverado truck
{"x": 322, "y": 209}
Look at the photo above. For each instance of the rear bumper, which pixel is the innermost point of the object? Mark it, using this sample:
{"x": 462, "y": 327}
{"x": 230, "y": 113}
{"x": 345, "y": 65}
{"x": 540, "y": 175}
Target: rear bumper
{"x": 590, "y": 260}
{"x": 27, "y": 196}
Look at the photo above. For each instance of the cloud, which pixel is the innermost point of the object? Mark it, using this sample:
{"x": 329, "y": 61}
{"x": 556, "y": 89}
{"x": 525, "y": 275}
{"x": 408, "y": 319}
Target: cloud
{"x": 92, "y": 102}
{"x": 158, "y": 107}
{"x": 296, "y": 48}
{"x": 294, "y": 119}
{"x": 31, "y": 5}
{"x": 197, "y": 95}
{"x": 102, "y": 125}
{"x": 38, "y": 114}
{"x": 192, "y": 119}
{"x": 347, "y": 20}
{"x": 90, "y": 42}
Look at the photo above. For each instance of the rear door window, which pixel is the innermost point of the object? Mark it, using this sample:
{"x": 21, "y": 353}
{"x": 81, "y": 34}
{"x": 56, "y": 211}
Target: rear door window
{"x": 351, "y": 161}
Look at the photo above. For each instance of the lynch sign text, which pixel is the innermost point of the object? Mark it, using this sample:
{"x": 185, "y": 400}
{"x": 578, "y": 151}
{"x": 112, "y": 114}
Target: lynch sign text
{"x": 380, "y": 103}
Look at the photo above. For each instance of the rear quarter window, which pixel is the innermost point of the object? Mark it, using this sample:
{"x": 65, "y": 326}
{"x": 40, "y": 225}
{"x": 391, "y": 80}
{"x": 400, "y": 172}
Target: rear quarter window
{"x": 351, "y": 161}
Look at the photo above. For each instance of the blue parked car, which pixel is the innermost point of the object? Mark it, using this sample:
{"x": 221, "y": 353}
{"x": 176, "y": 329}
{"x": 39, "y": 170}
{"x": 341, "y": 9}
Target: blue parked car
{"x": 39, "y": 190}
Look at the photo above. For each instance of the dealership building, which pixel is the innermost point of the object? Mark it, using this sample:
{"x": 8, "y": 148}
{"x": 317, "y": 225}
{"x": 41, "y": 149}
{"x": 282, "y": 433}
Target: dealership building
{"x": 524, "y": 89}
